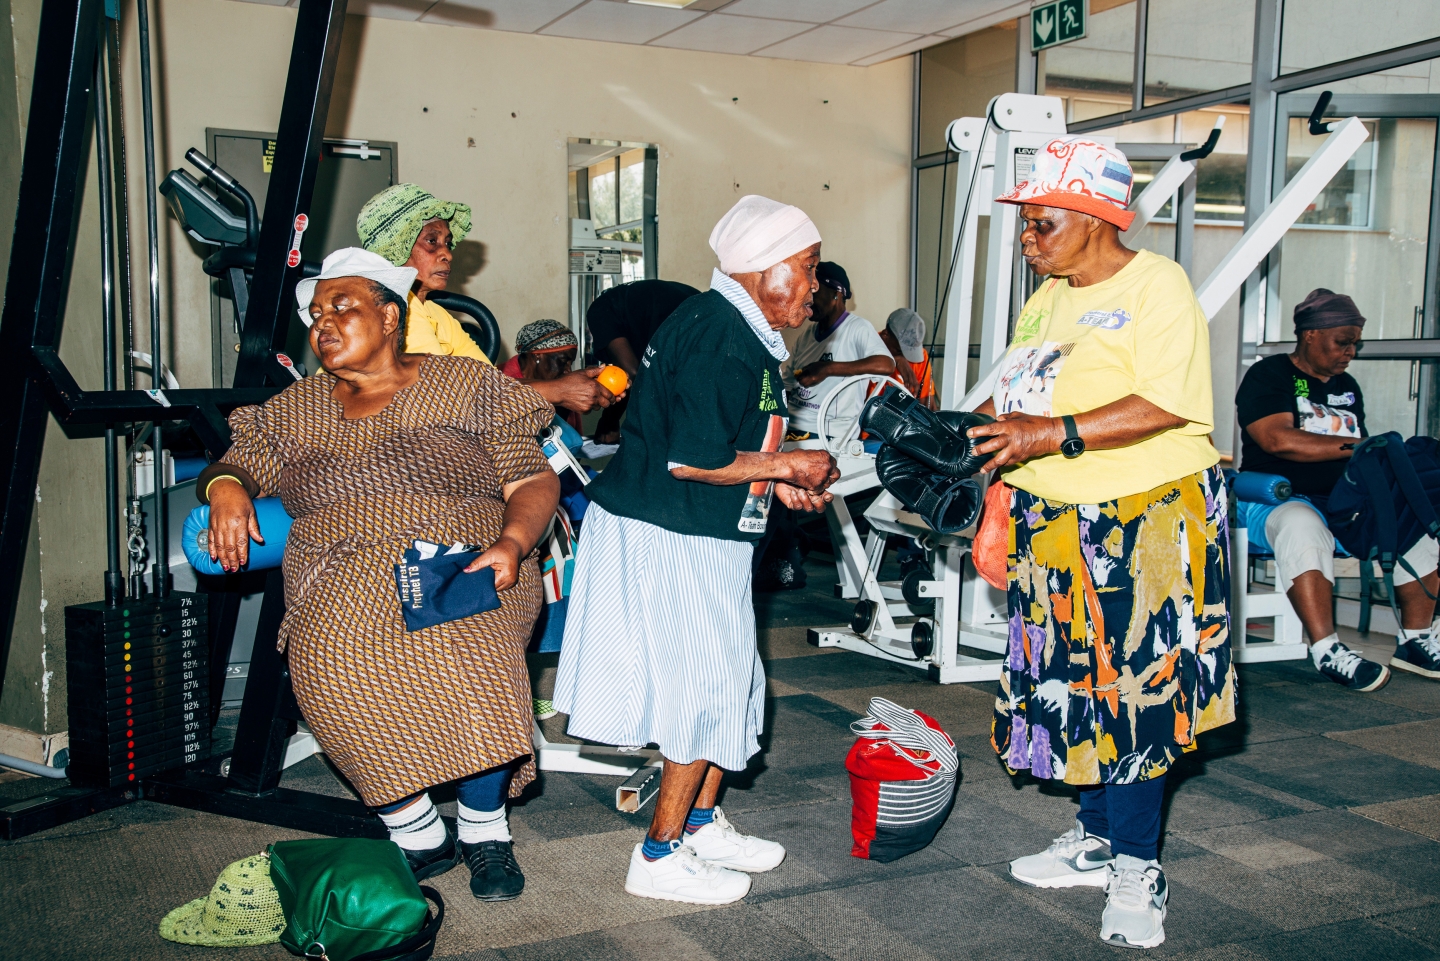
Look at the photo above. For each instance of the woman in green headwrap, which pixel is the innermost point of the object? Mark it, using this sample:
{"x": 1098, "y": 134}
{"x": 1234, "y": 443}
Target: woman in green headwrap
{"x": 411, "y": 227}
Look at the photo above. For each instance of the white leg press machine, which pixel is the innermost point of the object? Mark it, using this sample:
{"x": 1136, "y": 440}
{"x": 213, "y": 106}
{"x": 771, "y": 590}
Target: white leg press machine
{"x": 994, "y": 153}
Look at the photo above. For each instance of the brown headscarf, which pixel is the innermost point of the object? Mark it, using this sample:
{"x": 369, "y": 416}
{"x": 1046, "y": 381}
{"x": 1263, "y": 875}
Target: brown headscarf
{"x": 1323, "y": 308}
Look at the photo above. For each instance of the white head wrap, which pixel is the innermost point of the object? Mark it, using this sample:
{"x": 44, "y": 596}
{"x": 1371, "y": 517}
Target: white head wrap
{"x": 758, "y": 233}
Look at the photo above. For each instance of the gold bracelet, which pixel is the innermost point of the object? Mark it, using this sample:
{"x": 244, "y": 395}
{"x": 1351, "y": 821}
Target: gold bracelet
{"x": 220, "y": 477}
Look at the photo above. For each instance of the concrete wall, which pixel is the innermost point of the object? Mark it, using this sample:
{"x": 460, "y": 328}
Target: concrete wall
{"x": 725, "y": 125}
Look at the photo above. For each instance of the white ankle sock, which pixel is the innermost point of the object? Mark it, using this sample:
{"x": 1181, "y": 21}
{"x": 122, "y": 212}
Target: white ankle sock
{"x": 1409, "y": 635}
{"x": 476, "y": 826}
{"x": 417, "y": 827}
{"x": 1324, "y": 646}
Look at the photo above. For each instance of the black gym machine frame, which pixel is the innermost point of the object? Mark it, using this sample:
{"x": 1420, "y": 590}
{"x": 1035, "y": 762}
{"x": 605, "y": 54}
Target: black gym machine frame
{"x": 34, "y": 383}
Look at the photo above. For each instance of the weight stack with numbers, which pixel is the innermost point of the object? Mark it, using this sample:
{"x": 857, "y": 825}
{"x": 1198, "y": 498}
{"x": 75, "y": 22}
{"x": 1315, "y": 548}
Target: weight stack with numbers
{"x": 139, "y": 688}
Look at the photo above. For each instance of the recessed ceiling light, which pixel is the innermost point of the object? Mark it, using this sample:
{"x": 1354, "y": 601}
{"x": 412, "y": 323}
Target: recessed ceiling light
{"x": 664, "y": 3}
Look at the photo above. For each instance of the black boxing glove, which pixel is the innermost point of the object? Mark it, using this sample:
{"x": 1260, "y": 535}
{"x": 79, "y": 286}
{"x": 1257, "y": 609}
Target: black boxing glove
{"x": 948, "y": 504}
{"x": 935, "y": 438}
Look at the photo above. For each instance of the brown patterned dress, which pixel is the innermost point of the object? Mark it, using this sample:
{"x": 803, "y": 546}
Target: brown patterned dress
{"x": 398, "y": 712}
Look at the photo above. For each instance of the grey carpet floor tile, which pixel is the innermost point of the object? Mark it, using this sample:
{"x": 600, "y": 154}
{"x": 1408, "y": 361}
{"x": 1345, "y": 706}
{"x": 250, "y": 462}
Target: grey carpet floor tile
{"x": 1321, "y": 706}
{"x": 1307, "y": 768}
{"x": 1415, "y": 868}
{"x": 980, "y": 832}
{"x": 778, "y": 643}
{"x": 1196, "y": 803}
{"x": 745, "y": 932}
{"x": 976, "y": 913}
{"x": 1418, "y": 815}
{"x": 1421, "y": 924}
{"x": 1354, "y": 940}
{"x": 843, "y": 671}
{"x": 845, "y": 931}
{"x": 1416, "y": 741}
{"x": 1418, "y": 694}
{"x": 1342, "y": 834}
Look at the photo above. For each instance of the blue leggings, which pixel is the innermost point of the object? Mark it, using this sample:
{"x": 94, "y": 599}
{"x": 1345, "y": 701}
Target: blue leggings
{"x": 485, "y": 791}
{"x": 1127, "y": 814}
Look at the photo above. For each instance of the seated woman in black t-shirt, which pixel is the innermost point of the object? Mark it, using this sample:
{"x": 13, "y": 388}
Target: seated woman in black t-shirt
{"x": 1302, "y": 415}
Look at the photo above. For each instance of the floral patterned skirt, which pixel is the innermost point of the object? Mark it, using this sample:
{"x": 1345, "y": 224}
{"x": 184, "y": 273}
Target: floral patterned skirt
{"x": 1119, "y": 632}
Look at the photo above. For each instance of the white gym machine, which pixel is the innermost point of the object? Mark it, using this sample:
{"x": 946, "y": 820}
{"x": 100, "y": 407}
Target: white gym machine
{"x": 994, "y": 153}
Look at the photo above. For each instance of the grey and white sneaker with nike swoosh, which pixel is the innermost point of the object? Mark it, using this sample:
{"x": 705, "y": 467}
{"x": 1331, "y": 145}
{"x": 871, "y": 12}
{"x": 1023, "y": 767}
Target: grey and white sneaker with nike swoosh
{"x": 1074, "y": 859}
{"x": 1135, "y": 912}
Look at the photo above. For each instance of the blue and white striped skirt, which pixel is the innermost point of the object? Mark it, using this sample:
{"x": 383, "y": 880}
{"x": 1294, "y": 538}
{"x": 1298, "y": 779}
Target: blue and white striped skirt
{"x": 660, "y": 643}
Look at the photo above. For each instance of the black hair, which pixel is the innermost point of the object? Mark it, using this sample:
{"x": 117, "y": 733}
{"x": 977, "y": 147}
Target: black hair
{"x": 384, "y": 295}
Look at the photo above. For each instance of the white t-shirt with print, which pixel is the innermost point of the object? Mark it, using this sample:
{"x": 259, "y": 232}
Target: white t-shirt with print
{"x": 854, "y": 338}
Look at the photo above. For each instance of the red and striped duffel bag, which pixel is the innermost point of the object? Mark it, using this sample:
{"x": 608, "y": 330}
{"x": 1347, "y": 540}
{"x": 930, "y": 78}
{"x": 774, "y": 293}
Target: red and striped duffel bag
{"x": 903, "y": 768}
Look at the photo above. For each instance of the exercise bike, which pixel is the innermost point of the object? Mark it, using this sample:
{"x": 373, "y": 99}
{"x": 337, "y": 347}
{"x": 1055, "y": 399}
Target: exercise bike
{"x": 209, "y": 221}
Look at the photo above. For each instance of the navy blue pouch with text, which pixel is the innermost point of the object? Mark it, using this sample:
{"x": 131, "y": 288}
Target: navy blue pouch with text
{"x": 437, "y": 590}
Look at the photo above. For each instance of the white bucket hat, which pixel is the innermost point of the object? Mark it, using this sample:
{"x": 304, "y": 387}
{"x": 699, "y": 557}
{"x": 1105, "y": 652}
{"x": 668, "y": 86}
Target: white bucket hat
{"x": 355, "y": 262}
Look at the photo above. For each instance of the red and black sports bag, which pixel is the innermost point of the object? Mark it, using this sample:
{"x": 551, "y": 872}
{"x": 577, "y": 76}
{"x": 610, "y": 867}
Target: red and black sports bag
{"x": 903, "y": 768}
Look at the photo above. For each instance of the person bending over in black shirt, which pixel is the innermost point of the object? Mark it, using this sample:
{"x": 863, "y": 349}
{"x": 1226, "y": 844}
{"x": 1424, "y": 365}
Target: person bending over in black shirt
{"x": 1302, "y": 415}
{"x": 622, "y": 320}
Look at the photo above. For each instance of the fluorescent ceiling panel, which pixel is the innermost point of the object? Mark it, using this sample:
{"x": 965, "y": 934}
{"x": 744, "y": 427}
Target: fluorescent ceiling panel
{"x": 519, "y": 16}
{"x": 808, "y": 11}
{"x": 836, "y": 44}
{"x": 918, "y": 16}
{"x": 618, "y": 22}
{"x": 721, "y": 34}
{"x": 900, "y": 51}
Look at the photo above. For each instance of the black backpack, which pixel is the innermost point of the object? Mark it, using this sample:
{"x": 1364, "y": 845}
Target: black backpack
{"x": 1385, "y": 502}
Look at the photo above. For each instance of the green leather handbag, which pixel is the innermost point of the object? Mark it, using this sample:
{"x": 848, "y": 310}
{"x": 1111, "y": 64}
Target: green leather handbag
{"x": 353, "y": 899}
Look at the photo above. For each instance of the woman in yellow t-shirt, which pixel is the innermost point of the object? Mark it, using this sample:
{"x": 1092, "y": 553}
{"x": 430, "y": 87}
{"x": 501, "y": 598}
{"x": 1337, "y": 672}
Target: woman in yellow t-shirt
{"x": 1118, "y": 579}
{"x": 411, "y": 227}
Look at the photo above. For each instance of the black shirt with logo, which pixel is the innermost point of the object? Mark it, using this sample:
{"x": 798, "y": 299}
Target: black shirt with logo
{"x": 1333, "y": 408}
{"x": 707, "y": 388}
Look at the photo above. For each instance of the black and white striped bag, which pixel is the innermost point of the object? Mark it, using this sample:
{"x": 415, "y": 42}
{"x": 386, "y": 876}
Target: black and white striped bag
{"x": 903, "y": 770}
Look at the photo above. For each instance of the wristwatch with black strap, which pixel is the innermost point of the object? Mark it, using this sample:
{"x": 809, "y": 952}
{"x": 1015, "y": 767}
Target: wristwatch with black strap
{"x": 1073, "y": 445}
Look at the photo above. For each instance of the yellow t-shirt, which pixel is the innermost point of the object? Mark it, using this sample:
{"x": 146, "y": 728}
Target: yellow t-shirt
{"x": 430, "y": 329}
{"x": 1079, "y": 348}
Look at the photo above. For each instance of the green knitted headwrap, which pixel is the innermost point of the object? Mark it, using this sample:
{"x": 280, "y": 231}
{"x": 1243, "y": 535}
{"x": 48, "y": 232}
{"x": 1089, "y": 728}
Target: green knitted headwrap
{"x": 391, "y": 220}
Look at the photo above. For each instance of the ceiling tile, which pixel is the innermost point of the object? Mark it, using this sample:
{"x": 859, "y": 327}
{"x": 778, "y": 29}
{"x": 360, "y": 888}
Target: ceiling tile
{"x": 619, "y": 22}
{"x": 987, "y": 15}
{"x": 389, "y": 9}
{"x": 718, "y": 33}
{"x": 835, "y": 44}
{"x": 929, "y": 40}
{"x": 521, "y": 16}
{"x": 916, "y": 16}
{"x": 807, "y": 11}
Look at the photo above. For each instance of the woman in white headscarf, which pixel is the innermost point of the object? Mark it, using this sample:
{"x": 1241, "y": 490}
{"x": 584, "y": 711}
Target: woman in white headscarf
{"x": 660, "y": 636}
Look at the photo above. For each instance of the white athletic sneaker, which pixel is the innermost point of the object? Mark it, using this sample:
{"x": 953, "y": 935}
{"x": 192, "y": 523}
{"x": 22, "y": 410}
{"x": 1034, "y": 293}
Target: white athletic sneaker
{"x": 681, "y": 876}
{"x": 1074, "y": 859}
{"x": 1135, "y": 914}
{"x": 719, "y": 843}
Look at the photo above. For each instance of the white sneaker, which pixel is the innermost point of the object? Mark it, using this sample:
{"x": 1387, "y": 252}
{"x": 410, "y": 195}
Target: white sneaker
{"x": 719, "y": 843}
{"x": 1074, "y": 859}
{"x": 681, "y": 876}
{"x": 1135, "y": 913}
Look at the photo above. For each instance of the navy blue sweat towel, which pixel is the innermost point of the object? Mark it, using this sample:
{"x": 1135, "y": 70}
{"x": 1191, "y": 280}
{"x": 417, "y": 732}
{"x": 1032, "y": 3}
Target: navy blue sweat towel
{"x": 438, "y": 590}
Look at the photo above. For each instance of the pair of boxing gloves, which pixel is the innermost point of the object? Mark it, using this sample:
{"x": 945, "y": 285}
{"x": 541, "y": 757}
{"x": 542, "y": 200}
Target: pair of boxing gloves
{"x": 926, "y": 460}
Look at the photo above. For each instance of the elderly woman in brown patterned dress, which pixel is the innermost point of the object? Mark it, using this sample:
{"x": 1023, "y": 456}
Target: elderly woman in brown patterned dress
{"x": 379, "y": 449}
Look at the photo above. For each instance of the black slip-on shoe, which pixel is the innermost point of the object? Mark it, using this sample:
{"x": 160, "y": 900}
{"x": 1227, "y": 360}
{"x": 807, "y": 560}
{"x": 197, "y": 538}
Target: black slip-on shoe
{"x": 494, "y": 873}
{"x": 434, "y": 861}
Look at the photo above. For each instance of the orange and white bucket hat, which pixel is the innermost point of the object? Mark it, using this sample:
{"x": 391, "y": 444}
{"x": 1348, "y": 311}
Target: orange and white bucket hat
{"x": 1078, "y": 174}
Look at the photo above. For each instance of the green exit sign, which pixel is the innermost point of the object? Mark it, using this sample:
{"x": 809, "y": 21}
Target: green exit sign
{"x": 1055, "y": 23}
